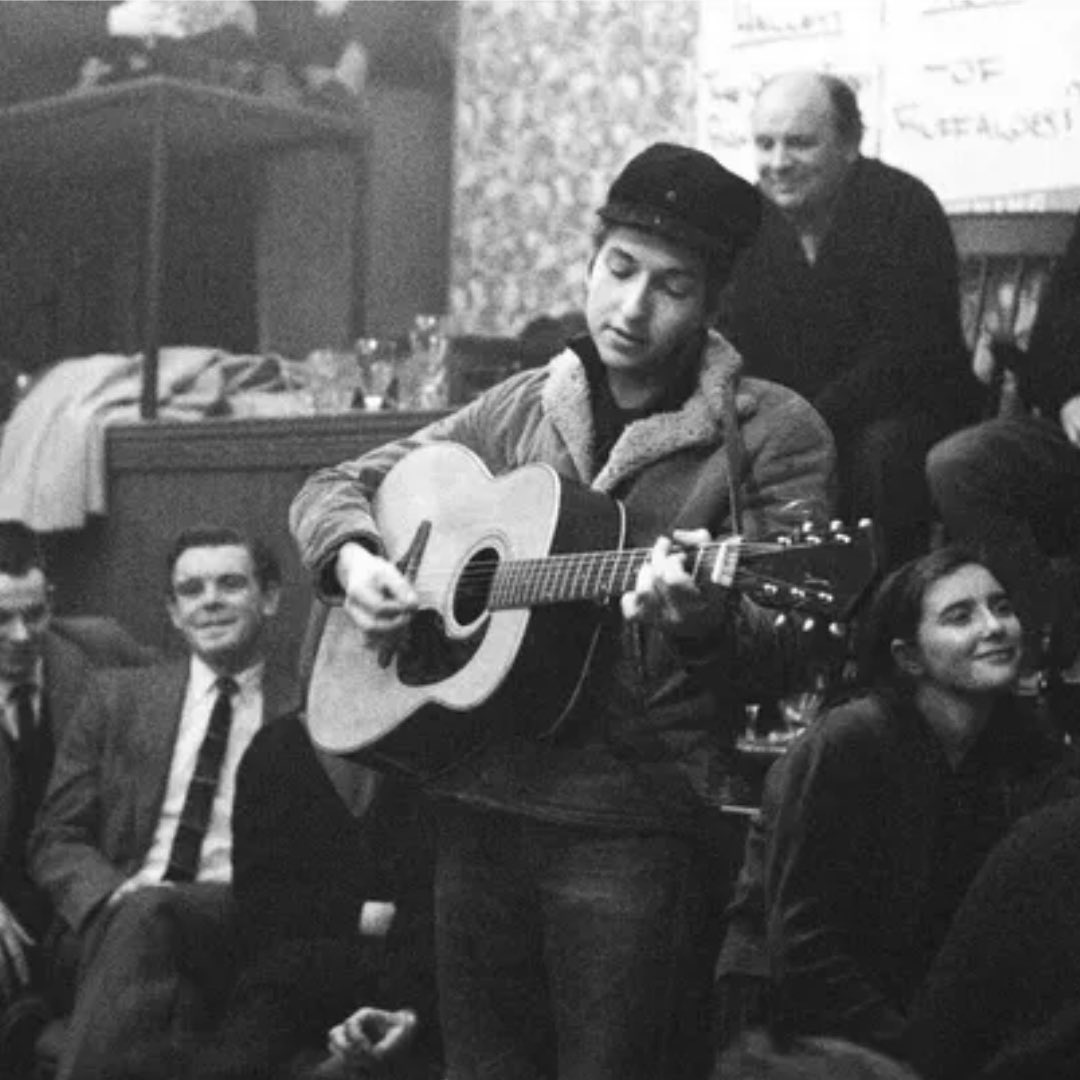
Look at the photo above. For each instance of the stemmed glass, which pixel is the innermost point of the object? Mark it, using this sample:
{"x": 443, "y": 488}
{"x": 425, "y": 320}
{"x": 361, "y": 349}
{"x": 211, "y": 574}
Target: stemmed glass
{"x": 377, "y": 360}
{"x": 428, "y": 343}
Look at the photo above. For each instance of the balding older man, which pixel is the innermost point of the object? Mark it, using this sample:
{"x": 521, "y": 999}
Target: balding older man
{"x": 850, "y": 296}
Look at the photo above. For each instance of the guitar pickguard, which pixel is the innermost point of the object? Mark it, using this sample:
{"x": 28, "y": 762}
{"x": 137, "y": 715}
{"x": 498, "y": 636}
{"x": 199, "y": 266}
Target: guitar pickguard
{"x": 427, "y": 656}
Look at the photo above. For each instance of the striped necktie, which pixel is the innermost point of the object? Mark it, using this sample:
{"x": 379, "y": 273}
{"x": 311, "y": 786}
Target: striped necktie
{"x": 183, "y": 862}
{"x": 22, "y": 697}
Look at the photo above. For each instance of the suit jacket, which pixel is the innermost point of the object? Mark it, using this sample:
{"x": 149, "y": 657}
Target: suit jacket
{"x": 67, "y": 670}
{"x": 109, "y": 781}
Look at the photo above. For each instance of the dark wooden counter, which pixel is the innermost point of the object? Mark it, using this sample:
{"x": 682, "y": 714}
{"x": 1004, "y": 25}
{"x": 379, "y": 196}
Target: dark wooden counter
{"x": 165, "y": 476}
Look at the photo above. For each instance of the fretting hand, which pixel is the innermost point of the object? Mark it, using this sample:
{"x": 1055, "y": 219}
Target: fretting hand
{"x": 666, "y": 595}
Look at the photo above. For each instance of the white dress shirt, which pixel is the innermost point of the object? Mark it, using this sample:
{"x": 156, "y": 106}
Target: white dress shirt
{"x": 215, "y": 861}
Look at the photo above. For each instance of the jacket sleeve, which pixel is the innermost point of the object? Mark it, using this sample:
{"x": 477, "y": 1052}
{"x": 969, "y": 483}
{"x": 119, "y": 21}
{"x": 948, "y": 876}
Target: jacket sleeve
{"x": 334, "y": 504}
{"x": 789, "y": 477}
{"x": 912, "y": 349}
{"x": 404, "y": 851}
{"x": 297, "y": 866}
{"x": 65, "y": 848}
{"x": 814, "y": 862}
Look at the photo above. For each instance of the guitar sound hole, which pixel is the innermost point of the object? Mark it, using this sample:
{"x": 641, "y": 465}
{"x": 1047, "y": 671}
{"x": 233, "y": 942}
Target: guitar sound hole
{"x": 474, "y": 587}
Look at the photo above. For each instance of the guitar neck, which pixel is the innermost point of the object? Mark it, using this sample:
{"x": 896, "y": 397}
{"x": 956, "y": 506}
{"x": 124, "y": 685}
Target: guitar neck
{"x": 598, "y": 575}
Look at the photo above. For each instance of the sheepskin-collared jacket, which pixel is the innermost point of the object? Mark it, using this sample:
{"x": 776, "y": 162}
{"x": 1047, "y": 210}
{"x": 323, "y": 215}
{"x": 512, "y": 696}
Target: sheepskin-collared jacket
{"x": 651, "y": 746}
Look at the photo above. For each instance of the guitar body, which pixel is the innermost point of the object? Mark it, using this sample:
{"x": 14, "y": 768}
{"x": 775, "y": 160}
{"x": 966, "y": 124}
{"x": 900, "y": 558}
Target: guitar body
{"x": 464, "y": 671}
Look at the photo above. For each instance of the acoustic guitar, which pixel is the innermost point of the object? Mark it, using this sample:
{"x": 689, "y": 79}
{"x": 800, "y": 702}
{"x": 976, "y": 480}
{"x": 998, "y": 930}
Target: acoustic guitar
{"x": 513, "y": 575}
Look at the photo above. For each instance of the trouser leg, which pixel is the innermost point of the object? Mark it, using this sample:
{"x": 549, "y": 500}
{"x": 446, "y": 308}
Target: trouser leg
{"x": 576, "y": 954}
{"x": 152, "y": 973}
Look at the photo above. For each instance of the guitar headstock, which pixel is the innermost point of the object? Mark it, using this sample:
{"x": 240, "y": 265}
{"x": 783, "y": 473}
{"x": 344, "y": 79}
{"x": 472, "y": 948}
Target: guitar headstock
{"x": 815, "y": 573}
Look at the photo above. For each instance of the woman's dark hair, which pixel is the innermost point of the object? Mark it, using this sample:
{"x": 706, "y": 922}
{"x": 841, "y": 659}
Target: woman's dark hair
{"x": 896, "y": 609}
{"x": 265, "y": 562}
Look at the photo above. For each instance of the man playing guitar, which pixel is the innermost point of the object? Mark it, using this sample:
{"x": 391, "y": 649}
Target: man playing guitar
{"x": 584, "y": 861}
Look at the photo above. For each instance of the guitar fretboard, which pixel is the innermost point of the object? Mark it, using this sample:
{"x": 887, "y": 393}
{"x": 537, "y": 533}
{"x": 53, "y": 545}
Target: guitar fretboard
{"x": 600, "y": 575}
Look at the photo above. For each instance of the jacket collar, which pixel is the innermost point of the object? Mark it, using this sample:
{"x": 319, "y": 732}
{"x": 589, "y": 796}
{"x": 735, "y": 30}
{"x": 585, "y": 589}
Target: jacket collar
{"x": 567, "y": 402}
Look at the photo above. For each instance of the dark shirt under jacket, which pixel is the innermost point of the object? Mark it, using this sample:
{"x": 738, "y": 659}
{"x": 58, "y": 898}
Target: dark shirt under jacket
{"x": 876, "y": 838}
{"x": 872, "y": 328}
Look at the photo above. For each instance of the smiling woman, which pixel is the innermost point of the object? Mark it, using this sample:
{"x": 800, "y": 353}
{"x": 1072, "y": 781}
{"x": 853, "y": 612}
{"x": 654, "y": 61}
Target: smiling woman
{"x": 882, "y": 813}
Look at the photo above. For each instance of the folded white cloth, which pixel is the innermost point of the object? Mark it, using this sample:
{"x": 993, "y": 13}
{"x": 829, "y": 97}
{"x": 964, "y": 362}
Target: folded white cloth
{"x": 52, "y": 454}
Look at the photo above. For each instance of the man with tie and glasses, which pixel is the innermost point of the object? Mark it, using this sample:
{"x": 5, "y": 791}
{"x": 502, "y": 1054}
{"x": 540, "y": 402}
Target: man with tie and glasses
{"x": 134, "y": 841}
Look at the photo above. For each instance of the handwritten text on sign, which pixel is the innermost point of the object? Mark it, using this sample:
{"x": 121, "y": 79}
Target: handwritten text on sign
{"x": 981, "y": 98}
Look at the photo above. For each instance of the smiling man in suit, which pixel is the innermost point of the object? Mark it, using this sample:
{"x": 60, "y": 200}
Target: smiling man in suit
{"x": 583, "y": 859}
{"x": 133, "y": 845}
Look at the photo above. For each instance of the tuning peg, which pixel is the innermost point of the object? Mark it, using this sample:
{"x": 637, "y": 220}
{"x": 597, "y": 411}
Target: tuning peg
{"x": 780, "y": 620}
{"x": 808, "y": 625}
{"x": 837, "y": 630}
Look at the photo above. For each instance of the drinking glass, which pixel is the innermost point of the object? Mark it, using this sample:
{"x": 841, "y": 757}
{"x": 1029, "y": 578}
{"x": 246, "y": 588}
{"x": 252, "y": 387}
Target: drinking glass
{"x": 424, "y": 384}
{"x": 333, "y": 380}
{"x": 377, "y": 361}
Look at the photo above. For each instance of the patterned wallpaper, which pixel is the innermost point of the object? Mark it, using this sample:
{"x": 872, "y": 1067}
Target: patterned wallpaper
{"x": 553, "y": 97}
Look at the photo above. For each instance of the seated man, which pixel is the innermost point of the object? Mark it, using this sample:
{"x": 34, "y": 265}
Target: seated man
{"x": 333, "y": 887}
{"x": 1011, "y": 483}
{"x": 133, "y": 844}
{"x": 850, "y": 295}
{"x": 43, "y": 674}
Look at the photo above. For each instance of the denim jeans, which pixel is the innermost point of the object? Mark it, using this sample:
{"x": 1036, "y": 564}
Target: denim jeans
{"x": 573, "y": 953}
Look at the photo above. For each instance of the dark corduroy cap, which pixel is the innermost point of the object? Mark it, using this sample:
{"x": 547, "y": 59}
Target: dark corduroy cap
{"x": 687, "y": 196}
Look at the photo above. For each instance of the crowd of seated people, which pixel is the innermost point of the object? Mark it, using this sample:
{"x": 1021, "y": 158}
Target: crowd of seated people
{"x": 198, "y": 892}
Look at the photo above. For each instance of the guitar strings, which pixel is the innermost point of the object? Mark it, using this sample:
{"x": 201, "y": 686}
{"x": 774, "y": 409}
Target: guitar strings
{"x": 598, "y": 563}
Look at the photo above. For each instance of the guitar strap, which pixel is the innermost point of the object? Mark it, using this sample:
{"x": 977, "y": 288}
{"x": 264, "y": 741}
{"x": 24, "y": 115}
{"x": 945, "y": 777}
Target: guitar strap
{"x": 719, "y": 837}
{"x": 733, "y": 446}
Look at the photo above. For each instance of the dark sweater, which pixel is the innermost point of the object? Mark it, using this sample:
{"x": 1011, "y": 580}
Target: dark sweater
{"x": 1050, "y": 373}
{"x": 872, "y": 328}
{"x": 876, "y": 838}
